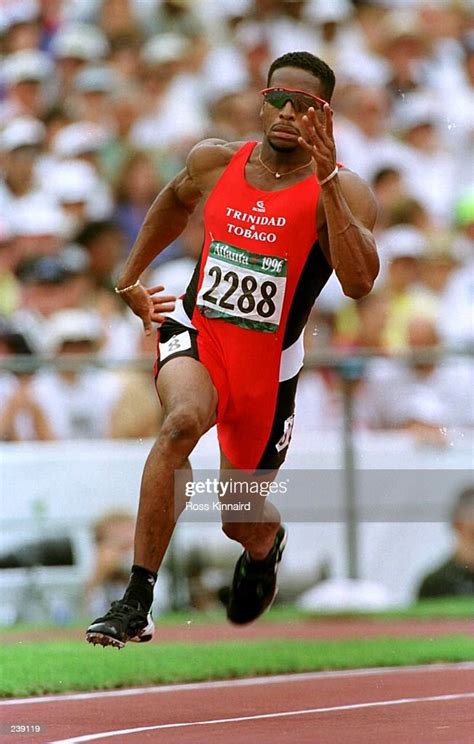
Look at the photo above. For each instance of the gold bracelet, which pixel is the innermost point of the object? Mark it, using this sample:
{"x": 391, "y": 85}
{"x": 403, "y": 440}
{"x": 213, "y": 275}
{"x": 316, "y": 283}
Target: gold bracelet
{"x": 127, "y": 289}
{"x": 331, "y": 175}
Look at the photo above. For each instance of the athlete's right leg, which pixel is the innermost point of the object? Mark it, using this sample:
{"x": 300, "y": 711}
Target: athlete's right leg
{"x": 188, "y": 399}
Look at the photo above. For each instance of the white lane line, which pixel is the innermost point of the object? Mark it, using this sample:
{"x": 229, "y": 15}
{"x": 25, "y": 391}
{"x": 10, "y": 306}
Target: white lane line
{"x": 262, "y": 716}
{"x": 244, "y": 682}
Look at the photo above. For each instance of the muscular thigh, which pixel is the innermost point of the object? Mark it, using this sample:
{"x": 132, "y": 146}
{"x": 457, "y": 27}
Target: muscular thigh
{"x": 184, "y": 383}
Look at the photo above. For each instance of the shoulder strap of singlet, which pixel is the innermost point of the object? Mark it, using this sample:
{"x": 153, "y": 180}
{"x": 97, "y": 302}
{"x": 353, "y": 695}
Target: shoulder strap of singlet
{"x": 242, "y": 154}
{"x": 235, "y": 167}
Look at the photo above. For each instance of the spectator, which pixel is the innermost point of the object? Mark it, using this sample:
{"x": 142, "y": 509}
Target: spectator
{"x": 9, "y": 285}
{"x": 409, "y": 211}
{"x": 437, "y": 264}
{"x": 389, "y": 189}
{"x": 136, "y": 415}
{"x": 78, "y": 402}
{"x": 174, "y": 114}
{"x": 40, "y": 229}
{"x": 457, "y": 306}
{"x": 113, "y": 540}
{"x": 124, "y": 58}
{"x": 461, "y": 142}
{"x": 430, "y": 171}
{"x": 93, "y": 87}
{"x": 20, "y": 144}
{"x": 138, "y": 184}
{"x": 403, "y": 44}
{"x": 455, "y": 577}
{"x": 85, "y": 141}
{"x": 74, "y": 185}
{"x": 25, "y": 74}
{"x": 401, "y": 248}
{"x": 21, "y": 415}
{"x": 20, "y": 25}
{"x": 117, "y": 18}
{"x": 370, "y": 323}
{"x": 365, "y": 142}
{"x": 103, "y": 242}
{"x": 425, "y": 398}
{"x": 126, "y": 107}
{"x": 234, "y": 115}
{"x": 49, "y": 284}
{"x": 74, "y": 46}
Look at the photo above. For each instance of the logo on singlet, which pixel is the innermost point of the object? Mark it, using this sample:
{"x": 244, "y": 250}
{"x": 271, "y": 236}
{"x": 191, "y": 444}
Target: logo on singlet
{"x": 287, "y": 432}
{"x": 259, "y": 207}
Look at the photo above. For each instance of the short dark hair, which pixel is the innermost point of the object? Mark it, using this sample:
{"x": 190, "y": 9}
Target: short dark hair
{"x": 463, "y": 508}
{"x": 95, "y": 229}
{"x": 307, "y": 61}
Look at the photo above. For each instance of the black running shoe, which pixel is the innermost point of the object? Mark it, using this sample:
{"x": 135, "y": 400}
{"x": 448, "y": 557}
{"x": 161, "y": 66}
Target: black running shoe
{"x": 254, "y": 584}
{"x": 122, "y": 623}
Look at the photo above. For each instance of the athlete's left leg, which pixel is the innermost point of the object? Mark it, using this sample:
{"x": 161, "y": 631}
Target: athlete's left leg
{"x": 257, "y": 534}
{"x": 254, "y": 584}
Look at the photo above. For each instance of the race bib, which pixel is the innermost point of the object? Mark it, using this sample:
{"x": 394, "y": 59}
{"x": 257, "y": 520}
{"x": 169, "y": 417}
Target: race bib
{"x": 243, "y": 288}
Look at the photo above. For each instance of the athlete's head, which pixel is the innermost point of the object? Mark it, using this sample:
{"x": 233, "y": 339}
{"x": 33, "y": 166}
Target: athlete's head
{"x": 308, "y": 62}
{"x": 296, "y": 81}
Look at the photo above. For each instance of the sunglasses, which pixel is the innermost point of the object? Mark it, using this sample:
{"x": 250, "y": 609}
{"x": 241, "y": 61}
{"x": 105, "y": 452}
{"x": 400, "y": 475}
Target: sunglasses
{"x": 301, "y": 101}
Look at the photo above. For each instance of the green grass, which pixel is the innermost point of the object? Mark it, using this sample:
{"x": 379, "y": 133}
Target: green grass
{"x": 428, "y": 609}
{"x": 34, "y": 669}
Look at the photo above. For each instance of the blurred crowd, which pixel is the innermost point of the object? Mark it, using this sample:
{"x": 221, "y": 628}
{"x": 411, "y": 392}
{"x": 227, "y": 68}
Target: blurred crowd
{"x": 100, "y": 102}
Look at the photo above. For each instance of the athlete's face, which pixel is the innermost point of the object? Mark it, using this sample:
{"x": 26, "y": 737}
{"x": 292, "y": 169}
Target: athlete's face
{"x": 282, "y": 126}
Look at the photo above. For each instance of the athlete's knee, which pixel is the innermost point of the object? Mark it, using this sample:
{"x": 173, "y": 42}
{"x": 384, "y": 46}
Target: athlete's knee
{"x": 182, "y": 425}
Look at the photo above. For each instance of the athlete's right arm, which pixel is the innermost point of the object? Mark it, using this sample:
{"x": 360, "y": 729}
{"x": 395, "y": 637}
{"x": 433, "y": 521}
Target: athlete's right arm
{"x": 169, "y": 213}
{"x": 166, "y": 220}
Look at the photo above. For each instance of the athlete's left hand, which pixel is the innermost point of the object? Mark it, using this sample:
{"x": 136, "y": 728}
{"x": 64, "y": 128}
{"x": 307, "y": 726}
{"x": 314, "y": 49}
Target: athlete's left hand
{"x": 318, "y": 140}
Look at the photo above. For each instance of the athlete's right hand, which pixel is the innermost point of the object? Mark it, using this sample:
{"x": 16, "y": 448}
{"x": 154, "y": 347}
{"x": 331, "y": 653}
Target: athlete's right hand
{"x": 149, "y": 305}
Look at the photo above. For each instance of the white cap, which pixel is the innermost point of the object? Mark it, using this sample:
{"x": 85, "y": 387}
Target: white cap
{"x": 164, "y": 48}
{"x": 77, "y": 11}
{"x": 327, "y": 11}
{"x": 81, "y": 41}
{"x": 416, "y": 110}
{"x": 79, "y": 138}
{"x": 21, "y": 132}
{"x": 72, "y": 325}
{"x": 403, "y": 23}
{"x": 233, "y": 7}
{"x": 99, "y": 79}
{"x": 71, "y": 181}
{"x": 28, "y": 64}
{"x": 250, "y": 34}
{"x": 402, "y": 241}
{"x": 34, "y": 218}
{"x": 18, "y": 11}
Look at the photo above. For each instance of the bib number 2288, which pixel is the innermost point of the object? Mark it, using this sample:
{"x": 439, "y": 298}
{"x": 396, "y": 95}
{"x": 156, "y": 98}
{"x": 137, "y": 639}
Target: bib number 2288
{"x": 243, "y": 288}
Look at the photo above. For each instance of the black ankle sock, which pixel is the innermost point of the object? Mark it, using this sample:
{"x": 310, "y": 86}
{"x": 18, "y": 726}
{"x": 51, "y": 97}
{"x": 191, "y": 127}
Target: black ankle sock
{"x": 140, "y": 587}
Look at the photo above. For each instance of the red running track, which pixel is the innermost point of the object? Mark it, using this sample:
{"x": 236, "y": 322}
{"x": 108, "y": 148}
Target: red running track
{"x": 417, "y": 705}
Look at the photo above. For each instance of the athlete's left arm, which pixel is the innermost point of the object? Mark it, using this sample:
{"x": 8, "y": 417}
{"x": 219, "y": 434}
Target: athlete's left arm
{"x": 346, "y": 211}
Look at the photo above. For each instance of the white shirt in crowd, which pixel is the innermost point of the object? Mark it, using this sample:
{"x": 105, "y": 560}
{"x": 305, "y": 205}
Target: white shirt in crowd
{"x": 396, "y": 394}
{"x": 78, "y": 410}
{"x": 456, "y": 315}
